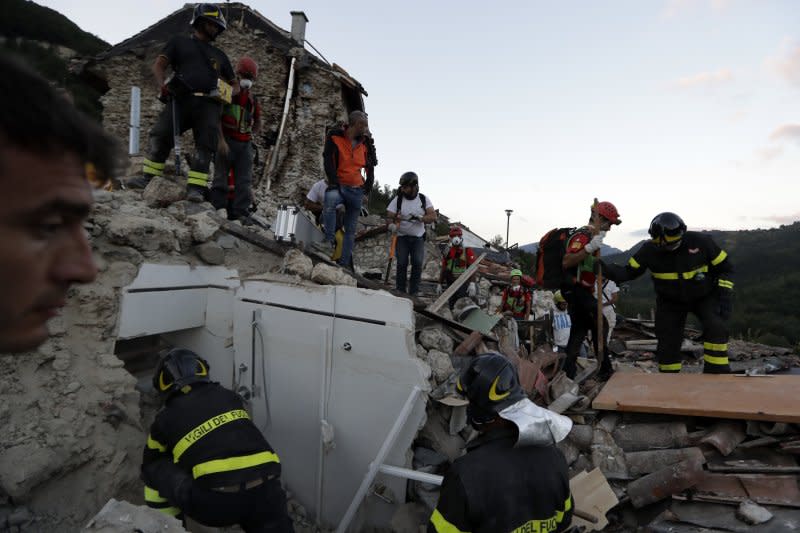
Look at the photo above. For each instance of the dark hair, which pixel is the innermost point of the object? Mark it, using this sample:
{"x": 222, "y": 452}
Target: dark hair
{"x": 36, "y": 117}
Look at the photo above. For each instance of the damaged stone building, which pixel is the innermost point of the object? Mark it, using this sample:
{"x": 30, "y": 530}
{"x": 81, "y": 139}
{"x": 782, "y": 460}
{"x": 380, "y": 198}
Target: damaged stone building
{"x": 315, "y": 94}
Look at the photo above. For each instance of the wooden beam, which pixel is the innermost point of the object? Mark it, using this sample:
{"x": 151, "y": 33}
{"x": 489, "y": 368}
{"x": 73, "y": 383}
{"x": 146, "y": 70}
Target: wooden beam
{"x": 707, "y": 395}
{"x": 451, "y": 290}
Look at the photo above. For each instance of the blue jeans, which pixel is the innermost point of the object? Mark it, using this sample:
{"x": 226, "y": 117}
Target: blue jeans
{"x": 351, "y": 198}
{"x": 414, "y": 247}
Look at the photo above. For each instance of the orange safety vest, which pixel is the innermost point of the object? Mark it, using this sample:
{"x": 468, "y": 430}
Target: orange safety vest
{"x": 351, "y": 161}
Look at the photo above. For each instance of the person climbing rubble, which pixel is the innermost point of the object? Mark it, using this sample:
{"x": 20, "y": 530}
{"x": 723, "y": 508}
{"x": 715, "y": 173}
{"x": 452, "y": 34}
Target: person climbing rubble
{"x": 51, "y": 157}
{"x": 577, "y": 288}
{"x": 455, "y": 261}
{"x": 202, "y": 75}
{"x": 204, "y": 457}
{"x": 513, "y": 477}
{"x": 407, "y": 214}
{"x": 240, "y": 120}
{"x": 315, "y": 202}
{"x": 691, "y": 274}
{"x": 347, "y": 151}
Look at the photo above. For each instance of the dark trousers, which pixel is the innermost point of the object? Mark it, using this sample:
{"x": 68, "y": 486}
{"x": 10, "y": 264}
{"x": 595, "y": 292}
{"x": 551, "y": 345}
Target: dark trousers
{"x": 261, "y": 509}
{"x": 582, "y": 308}
{"x": 198, "y": 113}
{"x": 411, "y": 247}
{"x": 240, "y": 160}
{"x": 670, "y": 321}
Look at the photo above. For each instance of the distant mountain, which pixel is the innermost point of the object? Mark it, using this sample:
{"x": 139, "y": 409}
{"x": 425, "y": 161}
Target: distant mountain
{"x": 48, "y": 41}
{"x": 766, "y": 278}
{"x": 605, "y": 250}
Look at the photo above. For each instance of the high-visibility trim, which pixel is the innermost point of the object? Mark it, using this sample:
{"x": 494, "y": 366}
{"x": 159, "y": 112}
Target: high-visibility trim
{"x": 634, "y": 263}
{"x": 442, "y": 525}
{"x": 722, "y": 347}
{"x": 670, "y": 367}
{"x": 234, "y": 463}
{"x": 152, "y": 495}
{"x": 715, "y": 360}
{"x": 155, "y": 445}
{"x": 684, "y": 275}
{"x": 153, "y": 171}
{"x": 172, "y": 511}
{"x": 154, "y": 164}
{"x": 205, "y": 428}
{"x": 720, "y": 258}
{"x": 725, "y": 284}
{"x": 547, "y": 524}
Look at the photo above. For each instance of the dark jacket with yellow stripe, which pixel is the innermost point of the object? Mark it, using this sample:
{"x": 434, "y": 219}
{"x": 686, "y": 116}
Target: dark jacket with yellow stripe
{"x": 497, "y": 488}
{"x": 685, "y": 275}
{"x": 208, "y": 433}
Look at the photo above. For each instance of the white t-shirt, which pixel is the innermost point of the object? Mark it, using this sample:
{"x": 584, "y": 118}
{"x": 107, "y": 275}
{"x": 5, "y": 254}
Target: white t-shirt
{"x": 609, "y": 289}
{"x": 410, "y": 207}
{"x": 561, "y": 326}
{"x": 317, "y": 192}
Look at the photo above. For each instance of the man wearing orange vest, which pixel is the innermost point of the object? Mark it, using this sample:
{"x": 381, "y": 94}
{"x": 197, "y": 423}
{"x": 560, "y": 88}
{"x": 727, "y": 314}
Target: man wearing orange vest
{"x": 456, "y": 260}
{"x": 347, "y": 151}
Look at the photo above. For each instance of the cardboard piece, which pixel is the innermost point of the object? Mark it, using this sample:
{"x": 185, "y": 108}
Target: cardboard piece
{"x": 593, "y": 495}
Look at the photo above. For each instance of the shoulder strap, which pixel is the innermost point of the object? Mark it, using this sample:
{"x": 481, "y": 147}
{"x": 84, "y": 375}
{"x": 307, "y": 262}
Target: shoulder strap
{"x": 424, "y": 201}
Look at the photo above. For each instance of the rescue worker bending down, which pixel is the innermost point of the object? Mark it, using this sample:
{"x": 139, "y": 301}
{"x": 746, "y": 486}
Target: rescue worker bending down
{"x": 512, "y": 478}
{"x": 691, "y": 273}
{"x": 205, "y": 458}
{"x": 193, "y": 93}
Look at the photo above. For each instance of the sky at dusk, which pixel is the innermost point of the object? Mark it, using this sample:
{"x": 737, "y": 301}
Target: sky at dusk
{"x": 676, "y": 105}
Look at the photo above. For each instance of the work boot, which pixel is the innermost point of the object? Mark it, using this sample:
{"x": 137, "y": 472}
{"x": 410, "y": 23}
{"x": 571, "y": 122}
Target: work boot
{"x": 195, "y": 194}
{"x": 139, "y": 182}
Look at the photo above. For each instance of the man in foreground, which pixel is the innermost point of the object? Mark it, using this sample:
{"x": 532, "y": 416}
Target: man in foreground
{"x": 51, "y": 157}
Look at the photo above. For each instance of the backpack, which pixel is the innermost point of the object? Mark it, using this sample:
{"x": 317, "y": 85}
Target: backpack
{"x": 400, "y": 201}
{"x": 552, "y": 247}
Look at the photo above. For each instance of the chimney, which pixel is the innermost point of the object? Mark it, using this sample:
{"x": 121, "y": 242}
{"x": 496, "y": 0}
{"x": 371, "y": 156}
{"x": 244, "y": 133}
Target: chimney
{"x": 299, "y": 20}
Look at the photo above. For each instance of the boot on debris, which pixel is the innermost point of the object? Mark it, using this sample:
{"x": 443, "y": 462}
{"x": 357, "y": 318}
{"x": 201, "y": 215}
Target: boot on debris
{"x": 195, "y": 194}
{"x": 139, "y": 182}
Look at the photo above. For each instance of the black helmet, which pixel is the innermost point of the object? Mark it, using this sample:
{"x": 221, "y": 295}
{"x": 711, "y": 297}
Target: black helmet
{"x": 180, "y": 367}
{"x": 211, "y": 13}
{"x": 409, "y": 178}
{"x": 667, "y": 230}
{"x": 491, "y": 384}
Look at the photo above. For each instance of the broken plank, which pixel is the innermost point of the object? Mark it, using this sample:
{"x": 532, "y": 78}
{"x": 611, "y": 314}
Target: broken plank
{"x": 707, "y": 395}
{"x": 455, "y": 325}
{"x": 451, "y": 290}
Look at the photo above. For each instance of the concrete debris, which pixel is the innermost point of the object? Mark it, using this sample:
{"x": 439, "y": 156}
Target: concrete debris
{"x": 752, "y": 513}
{"x": 163, "y": 192}
{"x": 330, "y": 275}
{"x": 435, "y": 338}
{"x": 123, "y": 517}
{"x": 211, "y": 253}
{"x": 298, "y": 263}
{"x": 203, "y": 226}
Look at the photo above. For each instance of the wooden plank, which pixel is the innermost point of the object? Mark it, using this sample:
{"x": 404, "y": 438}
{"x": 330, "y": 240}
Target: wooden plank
{"x": 451, "y": 290}
{"x": 708, "y": 395}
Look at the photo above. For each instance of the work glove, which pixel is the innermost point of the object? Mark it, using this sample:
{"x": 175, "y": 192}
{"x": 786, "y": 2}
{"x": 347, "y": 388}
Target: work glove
{"x": 595, "y": 243}
{"x": 171, "y": 481}
{"x": 725, "y": 303}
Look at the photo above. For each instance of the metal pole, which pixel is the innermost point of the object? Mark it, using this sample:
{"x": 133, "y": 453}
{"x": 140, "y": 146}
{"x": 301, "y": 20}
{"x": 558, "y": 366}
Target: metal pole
{"x": 374, "y": 466}
{"x": 135, "y": 124}
{"x": 273, "y": 157}
{"x": 508, "y": 223}
{"x": 407, "y": 473}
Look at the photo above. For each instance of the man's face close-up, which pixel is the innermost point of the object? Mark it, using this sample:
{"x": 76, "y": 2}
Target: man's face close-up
{"x": 43, "y": 246}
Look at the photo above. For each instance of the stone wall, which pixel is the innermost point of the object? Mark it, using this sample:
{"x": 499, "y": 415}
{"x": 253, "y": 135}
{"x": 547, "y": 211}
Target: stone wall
{"x": 315, "y": 105}
{"x": 372, "y": 254}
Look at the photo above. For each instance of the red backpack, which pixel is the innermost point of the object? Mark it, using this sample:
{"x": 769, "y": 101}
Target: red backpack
{"x": 552, "y": 247}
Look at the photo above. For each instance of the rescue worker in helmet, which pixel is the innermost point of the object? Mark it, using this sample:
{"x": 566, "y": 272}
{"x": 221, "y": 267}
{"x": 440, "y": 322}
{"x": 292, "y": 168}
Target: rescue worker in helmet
{"x": 455, "y": 261}
{"x": 192, "y": 94}
{"x": 240, "y": 120}
{"x": 579, "y": 265}
{"x": 691, "y": 274}
{"x": 204, "y": 457}
{"x": 516, "y": 298}
{"x": 513, "y": 477}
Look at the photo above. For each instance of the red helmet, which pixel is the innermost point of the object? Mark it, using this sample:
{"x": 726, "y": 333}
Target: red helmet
{"x": 608, "y": 211}
{"x": 246, "y": 65}
{"x": 456, "y": 231}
